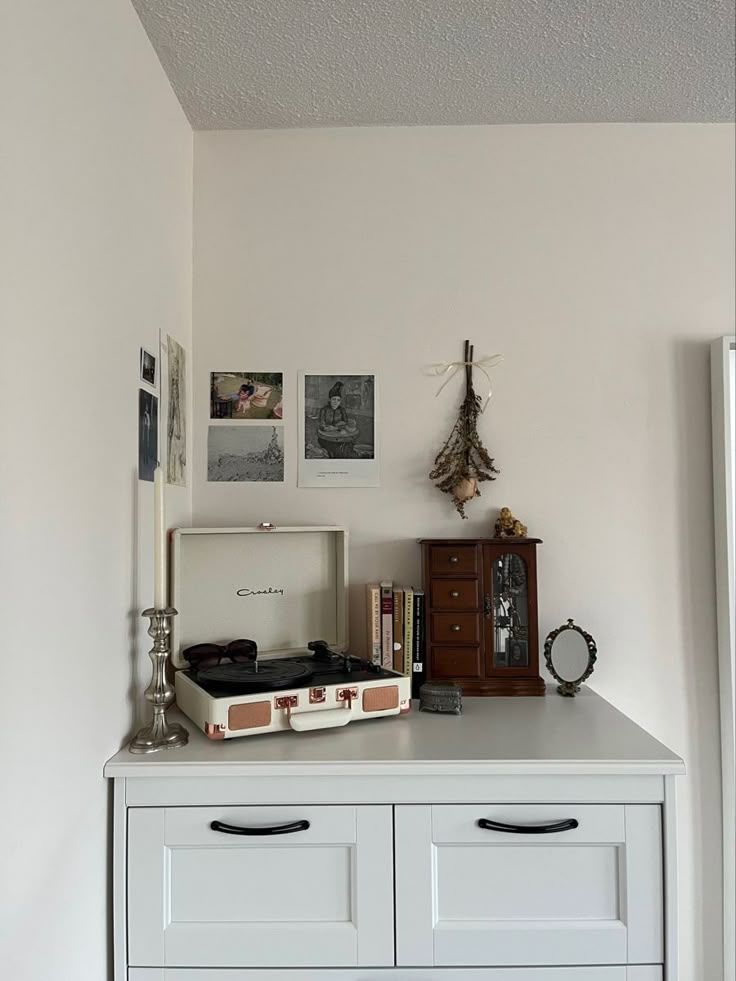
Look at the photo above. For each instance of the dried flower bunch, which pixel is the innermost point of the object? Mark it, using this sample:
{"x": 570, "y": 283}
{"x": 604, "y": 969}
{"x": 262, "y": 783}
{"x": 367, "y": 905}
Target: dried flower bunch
{"x": 464, "y": 462}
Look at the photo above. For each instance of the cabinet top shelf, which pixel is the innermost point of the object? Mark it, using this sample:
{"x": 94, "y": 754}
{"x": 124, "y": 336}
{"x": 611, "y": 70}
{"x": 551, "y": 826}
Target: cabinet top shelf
{"x": 552, "y": 735}
{"x": 489, "y": 540}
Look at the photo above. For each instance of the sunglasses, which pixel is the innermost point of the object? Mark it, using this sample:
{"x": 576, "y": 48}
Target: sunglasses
{"x": 210, "y": 655}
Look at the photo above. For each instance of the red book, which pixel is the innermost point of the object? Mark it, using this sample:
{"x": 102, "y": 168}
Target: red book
{"x": 387, "y": 625}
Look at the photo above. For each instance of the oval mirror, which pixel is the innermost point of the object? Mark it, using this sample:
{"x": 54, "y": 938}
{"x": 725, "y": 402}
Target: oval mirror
{"x": 570, "y": 654}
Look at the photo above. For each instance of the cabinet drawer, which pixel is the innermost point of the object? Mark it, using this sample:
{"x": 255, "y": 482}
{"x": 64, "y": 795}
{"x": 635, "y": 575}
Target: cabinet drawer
{"x": 454, "y": 594}
{"x": 317, "y": 892}
{"x": 542, "y": 885}
{"x": 454, "y": 628}
{"x": 454, "y": 662}
{"x": 453, "y": 560}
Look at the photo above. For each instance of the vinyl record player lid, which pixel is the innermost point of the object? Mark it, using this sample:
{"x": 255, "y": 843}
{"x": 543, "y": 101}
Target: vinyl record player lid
{"x": 281, "y": 587}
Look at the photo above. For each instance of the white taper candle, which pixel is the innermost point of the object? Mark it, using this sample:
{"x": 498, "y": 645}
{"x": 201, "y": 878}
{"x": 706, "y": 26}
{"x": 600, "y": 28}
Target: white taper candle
{"x": 159, "y": 541}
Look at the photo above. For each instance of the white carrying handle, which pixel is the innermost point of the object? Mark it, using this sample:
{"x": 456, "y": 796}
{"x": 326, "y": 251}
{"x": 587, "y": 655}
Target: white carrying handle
{"x": 325, "y": 719}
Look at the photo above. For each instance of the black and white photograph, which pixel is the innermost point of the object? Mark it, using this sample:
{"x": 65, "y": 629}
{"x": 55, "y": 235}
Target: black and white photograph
{"x": 147, "y": 434}
{"x": 245, "y": 453}
{"x": 517, "y": 653}
{"x": 176, "y": 420}
{"x": 148, "y": 368}
{"x": 337, "y": 430}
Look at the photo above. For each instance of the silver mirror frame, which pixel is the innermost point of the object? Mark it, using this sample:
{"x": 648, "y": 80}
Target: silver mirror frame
{"x": 570, "y": 688}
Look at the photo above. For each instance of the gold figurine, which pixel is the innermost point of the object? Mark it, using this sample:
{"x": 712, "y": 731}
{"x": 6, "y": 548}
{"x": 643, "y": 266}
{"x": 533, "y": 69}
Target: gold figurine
{"x": 507, "y": 526}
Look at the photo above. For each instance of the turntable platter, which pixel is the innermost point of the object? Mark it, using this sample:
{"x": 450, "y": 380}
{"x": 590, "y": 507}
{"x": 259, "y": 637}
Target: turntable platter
{"x": 255, "y": 676}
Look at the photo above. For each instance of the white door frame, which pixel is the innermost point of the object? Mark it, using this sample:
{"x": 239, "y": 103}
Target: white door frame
{"x": 723, "y": 380}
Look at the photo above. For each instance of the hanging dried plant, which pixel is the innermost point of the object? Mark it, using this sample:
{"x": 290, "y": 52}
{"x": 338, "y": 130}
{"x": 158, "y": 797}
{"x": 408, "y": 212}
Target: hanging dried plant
{"x": 464, "y": 462}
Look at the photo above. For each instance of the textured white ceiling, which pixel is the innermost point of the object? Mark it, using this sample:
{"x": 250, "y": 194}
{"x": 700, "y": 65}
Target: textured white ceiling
{"x": 239, "y": 64}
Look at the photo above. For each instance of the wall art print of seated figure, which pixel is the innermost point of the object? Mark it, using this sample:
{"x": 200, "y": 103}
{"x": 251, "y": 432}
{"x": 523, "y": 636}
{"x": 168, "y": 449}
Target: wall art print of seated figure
{"x": 339, "y": 417}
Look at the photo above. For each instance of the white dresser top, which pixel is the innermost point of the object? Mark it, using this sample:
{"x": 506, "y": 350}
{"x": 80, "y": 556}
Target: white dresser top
{"x": 552, "y": 735}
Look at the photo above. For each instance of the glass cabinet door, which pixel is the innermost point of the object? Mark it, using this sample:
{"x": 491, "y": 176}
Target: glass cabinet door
{"x": 510, "y": 611}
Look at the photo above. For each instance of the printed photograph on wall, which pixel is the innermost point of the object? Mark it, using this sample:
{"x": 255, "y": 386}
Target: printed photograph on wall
{"x": 246, "y": 395}
{"x": 176, "y": 422}
{"x": 147, "y": 434}
{"x": 148, "y": 368}
{"x": 337, "y": 430}
{"x": 245, "y": 453}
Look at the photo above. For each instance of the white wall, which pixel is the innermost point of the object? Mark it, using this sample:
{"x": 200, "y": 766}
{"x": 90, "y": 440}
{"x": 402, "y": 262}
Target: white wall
{"x": 599, "y": 260}
{"x": 95, "y": 257}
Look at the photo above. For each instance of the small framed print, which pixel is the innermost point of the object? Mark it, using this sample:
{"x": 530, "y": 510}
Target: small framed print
{"x": 517, "y": 653}
{"x": 148, "y": 368}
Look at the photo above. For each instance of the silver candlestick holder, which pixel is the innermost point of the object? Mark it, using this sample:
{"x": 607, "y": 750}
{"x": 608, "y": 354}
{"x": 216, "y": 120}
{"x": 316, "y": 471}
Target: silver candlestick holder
{"x": 159, "y": 734}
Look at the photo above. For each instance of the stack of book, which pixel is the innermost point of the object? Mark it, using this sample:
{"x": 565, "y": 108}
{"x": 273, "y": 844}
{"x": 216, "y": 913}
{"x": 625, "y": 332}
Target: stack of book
{"x": 396, "y": 630}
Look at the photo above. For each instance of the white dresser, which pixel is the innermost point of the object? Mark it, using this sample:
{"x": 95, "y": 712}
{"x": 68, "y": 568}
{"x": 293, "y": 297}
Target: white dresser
{"x": 530, "y": 839}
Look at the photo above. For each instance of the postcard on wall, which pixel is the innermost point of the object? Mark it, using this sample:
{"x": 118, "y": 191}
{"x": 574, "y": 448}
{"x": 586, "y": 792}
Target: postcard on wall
{"x": 148, "y": 368}
{"x": 176, "y": 419}
{"x": 337, "y": 430}
{"x": 246, "y": 395}
{"x": 147, "y": 434}
{"x": 245, "y": 453}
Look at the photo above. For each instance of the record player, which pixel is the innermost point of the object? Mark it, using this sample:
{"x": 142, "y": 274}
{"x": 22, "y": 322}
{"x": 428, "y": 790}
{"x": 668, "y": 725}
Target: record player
{"x": 283, "y": 587}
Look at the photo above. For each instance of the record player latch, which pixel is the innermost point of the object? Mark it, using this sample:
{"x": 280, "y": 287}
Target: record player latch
{"x": 346, "y": 695}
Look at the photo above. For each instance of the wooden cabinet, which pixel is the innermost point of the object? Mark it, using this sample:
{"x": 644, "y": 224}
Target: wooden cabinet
{"x": 525, "y": 840}
{"x": 482, "y": 614}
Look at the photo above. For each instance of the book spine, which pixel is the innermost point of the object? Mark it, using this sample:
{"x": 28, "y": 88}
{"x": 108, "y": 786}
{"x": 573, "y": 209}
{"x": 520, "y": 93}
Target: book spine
{"x": 398, "y": 662}
{"x": 373, "y": 619}
{"x": 387, "y": 625}
{"x": 408, "y": 630}
{"x": 418, "y": 668}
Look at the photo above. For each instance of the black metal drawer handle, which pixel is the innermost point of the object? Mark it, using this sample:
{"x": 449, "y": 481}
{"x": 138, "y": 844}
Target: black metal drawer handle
{"x": 277, "y": 829}
{"x": 528, "y": 829}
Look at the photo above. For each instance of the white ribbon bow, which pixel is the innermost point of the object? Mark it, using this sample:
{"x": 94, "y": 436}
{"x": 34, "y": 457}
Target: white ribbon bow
{"x": 451, "y": 368}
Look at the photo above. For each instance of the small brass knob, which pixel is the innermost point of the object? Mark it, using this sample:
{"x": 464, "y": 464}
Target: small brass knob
{"x": 454, "y": 594}
{"x": 454, "y": 558}
{"x": 455, "y": 628}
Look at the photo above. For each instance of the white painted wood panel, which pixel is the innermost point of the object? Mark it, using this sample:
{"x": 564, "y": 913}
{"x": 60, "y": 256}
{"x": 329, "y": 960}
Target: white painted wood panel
{"x": 647, "y": 972}
{"x": 671, "y": 906}
{"x": 416, "y": 887}
{"x": 119, "y": 881}
{"x": 470, "y": 896}
{"x": 189, "y": 827}
{"x": 357, "y": 784}
{"x": 531, "y": 878}
{"x": 147, "y": 875}
{"x": 643, "y": 887}
{"x": 530, "y": 941}
{"x": 458, "y": 824}
{"x": 321, "y": 896}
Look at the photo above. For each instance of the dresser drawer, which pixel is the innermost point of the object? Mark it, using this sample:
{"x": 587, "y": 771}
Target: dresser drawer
{"x": 454, "y": 662}
{"x": 453, "y": 560}
{"x": 539, "y": 885}
{"x": 317, "y": 892}
{"x": 454, "y": 594}
{"x": 455, "y": 628}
